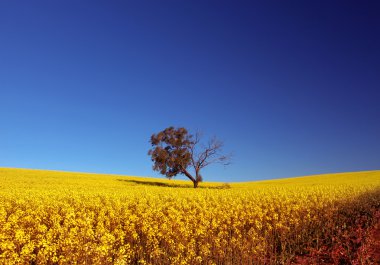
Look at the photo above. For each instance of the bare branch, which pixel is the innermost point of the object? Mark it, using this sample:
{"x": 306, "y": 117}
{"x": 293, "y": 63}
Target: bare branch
{"x": 195, "y": 142}
{"x": 212, "y": 153}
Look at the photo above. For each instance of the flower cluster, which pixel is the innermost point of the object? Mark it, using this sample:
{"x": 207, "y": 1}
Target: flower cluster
{"x": 68, "y": 218}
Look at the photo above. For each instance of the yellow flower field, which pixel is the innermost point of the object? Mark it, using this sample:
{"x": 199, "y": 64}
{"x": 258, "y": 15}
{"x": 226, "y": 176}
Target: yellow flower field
{"x": 49, "y": 217}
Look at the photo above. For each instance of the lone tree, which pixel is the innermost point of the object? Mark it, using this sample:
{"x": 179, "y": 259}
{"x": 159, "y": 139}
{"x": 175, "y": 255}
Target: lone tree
{"x": 174, "y": 151}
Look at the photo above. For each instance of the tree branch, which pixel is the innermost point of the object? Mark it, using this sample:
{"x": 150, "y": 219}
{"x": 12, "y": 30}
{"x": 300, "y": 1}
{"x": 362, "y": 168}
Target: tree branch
{"x": 211, "y": 154}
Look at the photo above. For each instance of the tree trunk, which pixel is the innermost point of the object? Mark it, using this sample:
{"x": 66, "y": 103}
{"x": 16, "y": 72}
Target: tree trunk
{"x": 195, "y": 182}
{"x": 198, "y": 178}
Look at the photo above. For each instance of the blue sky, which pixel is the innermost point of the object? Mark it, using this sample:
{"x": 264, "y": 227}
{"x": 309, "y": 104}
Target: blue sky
{"x": 291, "y": 87}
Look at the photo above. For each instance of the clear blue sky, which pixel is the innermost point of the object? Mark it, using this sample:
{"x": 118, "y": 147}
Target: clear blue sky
{"x": 291, "y": 87}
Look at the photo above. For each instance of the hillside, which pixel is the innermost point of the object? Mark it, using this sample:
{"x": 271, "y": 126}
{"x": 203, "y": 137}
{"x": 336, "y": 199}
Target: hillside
{"x": 48, "y": 179}
{"x": 52, "y": 217}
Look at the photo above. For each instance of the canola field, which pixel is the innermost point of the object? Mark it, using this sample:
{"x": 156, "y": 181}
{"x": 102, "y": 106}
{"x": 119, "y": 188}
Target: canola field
{"x": 49, "y": 217}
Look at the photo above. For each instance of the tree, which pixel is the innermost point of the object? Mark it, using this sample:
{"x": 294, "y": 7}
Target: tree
{"x": 174, "y": 151}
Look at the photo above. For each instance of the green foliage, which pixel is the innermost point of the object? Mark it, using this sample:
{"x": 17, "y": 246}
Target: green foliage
{"x": 171, "y": 151}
